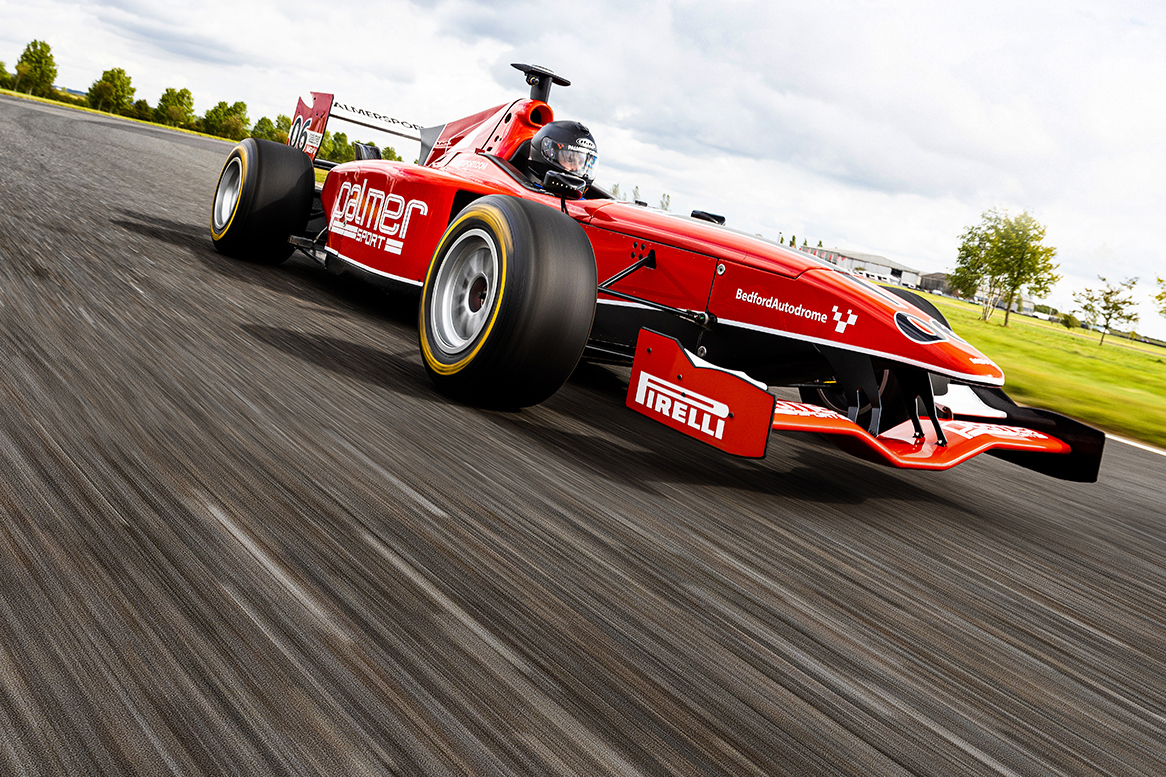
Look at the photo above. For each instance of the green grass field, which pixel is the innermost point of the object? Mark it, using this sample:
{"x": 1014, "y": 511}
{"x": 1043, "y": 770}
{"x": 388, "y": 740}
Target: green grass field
{"x": 1119, "y": 386}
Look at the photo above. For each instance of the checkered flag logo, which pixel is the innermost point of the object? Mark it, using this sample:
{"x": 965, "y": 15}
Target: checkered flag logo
{"x": 843, "y": 322}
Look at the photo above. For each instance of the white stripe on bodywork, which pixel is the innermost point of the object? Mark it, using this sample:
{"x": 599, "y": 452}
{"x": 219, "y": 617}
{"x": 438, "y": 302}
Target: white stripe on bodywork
{"x": 374, "y": 271}
{"x": 979, "y": 379}
{"x": 961, "y": 400}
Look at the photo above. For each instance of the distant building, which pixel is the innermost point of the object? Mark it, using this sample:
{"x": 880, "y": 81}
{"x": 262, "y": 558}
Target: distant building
{"x": 1025, "y": 307}
{"x": 877, "y": 268}
{"x": 935, "y": 281}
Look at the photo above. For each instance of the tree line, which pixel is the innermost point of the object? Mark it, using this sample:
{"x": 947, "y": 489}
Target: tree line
{"x": 1001, "y": 256}
{"x": 1005, "y": 254}
{"x": 114, "y": 92}
{"x": 1107, "y": 307}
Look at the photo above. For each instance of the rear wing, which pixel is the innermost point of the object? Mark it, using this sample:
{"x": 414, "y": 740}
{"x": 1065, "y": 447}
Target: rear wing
{"x": 470, "y": 132}
{"x": 310, "y": 121}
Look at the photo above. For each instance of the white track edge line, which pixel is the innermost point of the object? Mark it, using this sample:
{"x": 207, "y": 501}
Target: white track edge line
{"x": 1141, "y": 445}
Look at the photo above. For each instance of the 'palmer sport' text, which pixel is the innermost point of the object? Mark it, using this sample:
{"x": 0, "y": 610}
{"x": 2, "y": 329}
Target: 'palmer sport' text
{"x": 374, "y": 218}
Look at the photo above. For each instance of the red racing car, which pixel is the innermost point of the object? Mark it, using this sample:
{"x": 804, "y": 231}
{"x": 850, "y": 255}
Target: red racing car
{"x": 525, "y": 266}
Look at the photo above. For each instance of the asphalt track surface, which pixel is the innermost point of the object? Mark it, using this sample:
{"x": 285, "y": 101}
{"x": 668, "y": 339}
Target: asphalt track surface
{"x": 242, "y": 535}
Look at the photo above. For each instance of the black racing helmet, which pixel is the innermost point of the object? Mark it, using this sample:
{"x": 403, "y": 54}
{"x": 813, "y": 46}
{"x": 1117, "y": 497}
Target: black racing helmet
{"x": 566, "y": 146}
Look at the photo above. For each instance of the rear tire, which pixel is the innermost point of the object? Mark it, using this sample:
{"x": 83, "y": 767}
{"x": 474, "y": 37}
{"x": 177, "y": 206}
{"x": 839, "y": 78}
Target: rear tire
{"x": 263, "y": 196}
{"x": 508, "y": 303}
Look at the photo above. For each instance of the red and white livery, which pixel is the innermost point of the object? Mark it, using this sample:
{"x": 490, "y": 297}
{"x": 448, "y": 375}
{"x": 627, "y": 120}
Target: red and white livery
{"x": 524, "y": 271}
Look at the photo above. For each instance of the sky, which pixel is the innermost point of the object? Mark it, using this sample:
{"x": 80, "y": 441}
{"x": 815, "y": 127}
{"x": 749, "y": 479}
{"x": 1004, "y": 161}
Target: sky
{"x": 881, "y": 127}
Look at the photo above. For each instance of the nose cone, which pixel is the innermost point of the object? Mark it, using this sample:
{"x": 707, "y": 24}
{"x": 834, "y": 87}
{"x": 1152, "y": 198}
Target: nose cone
{"x": 870, "y": 319}
{"x": 769, "y": 288}
{"x": 828, "y": 307}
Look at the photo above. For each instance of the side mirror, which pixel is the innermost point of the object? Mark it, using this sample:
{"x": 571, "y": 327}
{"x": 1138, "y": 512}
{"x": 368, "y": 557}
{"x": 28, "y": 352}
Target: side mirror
{"x": 564, "y": 185}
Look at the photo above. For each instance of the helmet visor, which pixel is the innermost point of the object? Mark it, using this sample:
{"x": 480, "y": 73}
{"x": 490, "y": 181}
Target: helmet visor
{"x": 574, "y": 159}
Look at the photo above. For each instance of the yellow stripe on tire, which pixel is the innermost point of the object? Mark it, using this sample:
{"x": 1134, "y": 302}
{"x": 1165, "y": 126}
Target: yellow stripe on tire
{"x": 242, "y": 183}
{"x": 501, "y": 233}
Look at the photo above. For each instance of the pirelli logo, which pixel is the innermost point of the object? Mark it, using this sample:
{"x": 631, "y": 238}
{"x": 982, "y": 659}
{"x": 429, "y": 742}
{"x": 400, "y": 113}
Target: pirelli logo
{"x": 672, "y": 401}
{"x": 719, "y": 407}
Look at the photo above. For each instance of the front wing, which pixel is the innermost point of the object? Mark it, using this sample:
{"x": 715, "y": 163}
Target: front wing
{"x": 732, "y": 412}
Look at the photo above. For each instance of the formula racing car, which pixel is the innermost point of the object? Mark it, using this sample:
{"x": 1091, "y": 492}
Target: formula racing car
{"x": 525, "y": 266}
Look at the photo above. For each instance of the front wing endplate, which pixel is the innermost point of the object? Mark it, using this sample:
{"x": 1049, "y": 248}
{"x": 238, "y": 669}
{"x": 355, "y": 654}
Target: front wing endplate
{"x": 720, "y": 407}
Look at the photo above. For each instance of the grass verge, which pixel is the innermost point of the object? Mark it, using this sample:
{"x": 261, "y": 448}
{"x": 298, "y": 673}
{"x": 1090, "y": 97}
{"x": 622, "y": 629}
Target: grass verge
{"x": 1119, "y": 386}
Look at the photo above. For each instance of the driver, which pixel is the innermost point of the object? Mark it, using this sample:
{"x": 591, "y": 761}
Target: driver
{"x": 566, "y": 146}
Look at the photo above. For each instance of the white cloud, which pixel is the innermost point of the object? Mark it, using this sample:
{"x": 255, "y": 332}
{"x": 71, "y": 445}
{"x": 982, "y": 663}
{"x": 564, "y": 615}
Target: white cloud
{"x": 880, "y": 126}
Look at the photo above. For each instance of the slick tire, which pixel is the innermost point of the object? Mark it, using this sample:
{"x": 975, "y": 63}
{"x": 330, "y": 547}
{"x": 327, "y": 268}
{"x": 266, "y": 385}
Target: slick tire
{"x": 919, "y": 301}
{"x": 263, "y": 196}
{"x": 507, "y": 304}
{"x": 894, "y": 412}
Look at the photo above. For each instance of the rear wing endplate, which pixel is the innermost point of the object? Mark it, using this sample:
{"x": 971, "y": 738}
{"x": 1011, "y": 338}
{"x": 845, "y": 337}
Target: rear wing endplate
{"x": 307, "y": 129}
{"x": 310, "y": 121}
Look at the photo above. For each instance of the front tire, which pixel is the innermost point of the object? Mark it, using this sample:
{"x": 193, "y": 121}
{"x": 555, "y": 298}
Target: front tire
{"x": 263, "y": 196}
{"x": 894, "y": 408}
{"x": 508, "y": 303}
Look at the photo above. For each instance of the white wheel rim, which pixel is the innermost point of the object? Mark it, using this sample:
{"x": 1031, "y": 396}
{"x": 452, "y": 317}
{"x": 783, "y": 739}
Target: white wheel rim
{"x": 227, "y": 195}
{"x": 464, "y": 290}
